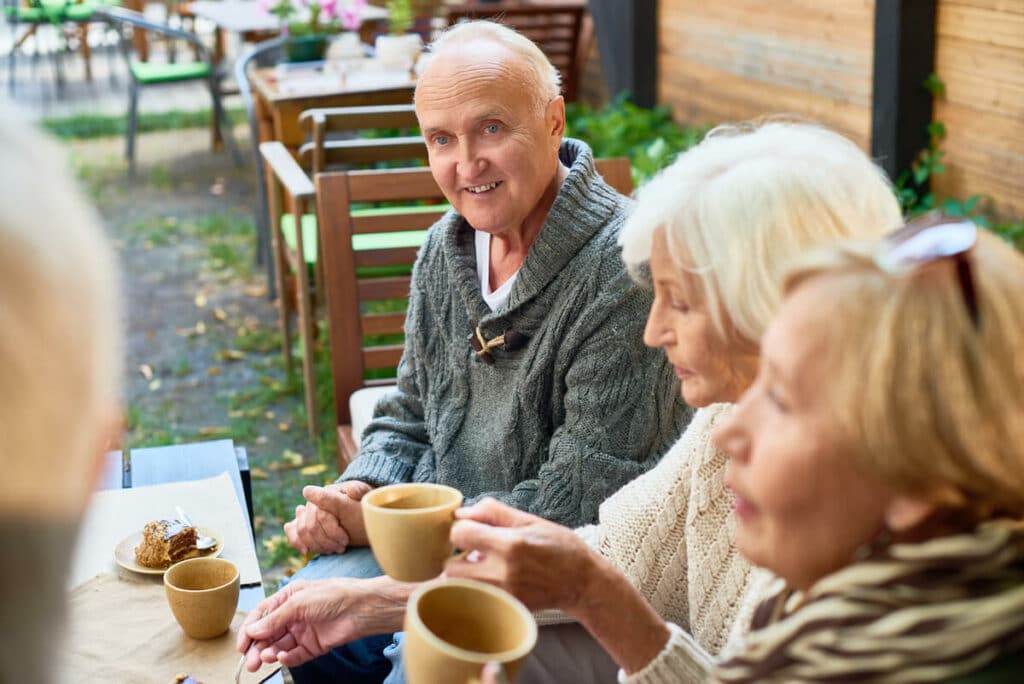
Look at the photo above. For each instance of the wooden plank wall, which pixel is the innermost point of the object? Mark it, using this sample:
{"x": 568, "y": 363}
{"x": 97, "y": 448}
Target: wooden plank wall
{"x": 979, "y": 54}
{"x": 730, "y": 60}
{"x": 738, "y": 59}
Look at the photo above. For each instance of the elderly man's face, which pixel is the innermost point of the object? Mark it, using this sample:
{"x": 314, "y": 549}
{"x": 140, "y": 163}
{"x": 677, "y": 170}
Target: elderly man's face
{"x": 493, "y": 150}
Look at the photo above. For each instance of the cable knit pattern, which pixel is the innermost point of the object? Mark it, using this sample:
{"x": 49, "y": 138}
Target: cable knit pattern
{"x": 552, "y": 428}
{"x": 670, "y": 531}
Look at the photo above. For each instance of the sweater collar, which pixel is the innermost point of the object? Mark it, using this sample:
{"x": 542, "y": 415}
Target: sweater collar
{"x": 584, "y": 204}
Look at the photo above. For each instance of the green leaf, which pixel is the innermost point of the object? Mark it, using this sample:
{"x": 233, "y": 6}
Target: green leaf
{"x": 952, "y": 207}
{"x": 921, "y": 173}
{"x": 934, "y": 85}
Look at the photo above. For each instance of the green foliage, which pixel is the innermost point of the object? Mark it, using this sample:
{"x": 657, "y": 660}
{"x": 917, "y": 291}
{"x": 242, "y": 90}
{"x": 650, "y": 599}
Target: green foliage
{"x": 86, "y": 126}
{"x": 912, "y": 185}
{"x": 649, "y": 137}
{"x": 934, "y": 85}
{"x": 1012, "y": 232}
{"x": 400, "y": 16}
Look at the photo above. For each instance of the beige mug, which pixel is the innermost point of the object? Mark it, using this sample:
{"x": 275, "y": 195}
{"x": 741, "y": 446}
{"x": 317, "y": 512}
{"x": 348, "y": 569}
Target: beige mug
{"x": 408, "y": 527}
{"x": 203, "y": 595}
{"x": 453, "y": 627}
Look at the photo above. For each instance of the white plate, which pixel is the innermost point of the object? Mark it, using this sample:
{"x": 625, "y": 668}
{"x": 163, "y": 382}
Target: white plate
{"x": 124, "y": 552}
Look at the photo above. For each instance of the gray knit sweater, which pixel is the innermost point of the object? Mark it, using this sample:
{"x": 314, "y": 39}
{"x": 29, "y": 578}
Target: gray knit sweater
{"x": 552, "y": 428}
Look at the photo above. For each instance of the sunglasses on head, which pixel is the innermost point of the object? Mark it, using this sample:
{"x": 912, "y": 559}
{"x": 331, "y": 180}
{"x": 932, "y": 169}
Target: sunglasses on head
{"x": 927, "y": 239}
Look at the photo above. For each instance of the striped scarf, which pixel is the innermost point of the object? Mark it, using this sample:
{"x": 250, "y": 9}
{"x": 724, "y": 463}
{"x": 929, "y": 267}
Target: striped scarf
{"x": 921, "y": 612}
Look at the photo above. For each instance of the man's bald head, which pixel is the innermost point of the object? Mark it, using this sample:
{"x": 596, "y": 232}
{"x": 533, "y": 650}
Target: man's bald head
{"x": 523, "y": 63}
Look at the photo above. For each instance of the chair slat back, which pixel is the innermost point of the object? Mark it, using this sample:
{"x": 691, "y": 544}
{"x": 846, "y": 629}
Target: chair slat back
{"x": 322, "y": 153}
{"x": 346, "y": 291}
{"x": 322, "y": 156}
{"x": 554, "y": 27}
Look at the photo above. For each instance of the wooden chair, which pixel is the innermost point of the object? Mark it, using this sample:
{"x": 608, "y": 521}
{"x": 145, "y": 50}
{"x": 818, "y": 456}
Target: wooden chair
{"x": 294, "y": 241}
{"x": 348, "y": 293}
{"x": 554, "y": 27}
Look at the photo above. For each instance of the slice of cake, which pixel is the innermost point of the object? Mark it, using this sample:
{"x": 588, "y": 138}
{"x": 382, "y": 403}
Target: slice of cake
{"x": 165, "y": 542}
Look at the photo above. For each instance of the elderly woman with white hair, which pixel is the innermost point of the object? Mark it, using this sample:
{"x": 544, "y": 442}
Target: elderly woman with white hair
{"x": 717, "y": 228}
{"x": 60, "y": 353}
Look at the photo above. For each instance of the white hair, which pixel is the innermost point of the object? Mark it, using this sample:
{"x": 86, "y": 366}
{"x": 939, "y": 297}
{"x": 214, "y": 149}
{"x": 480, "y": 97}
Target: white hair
{"x": 545, "y": 78}
{"x": 746, "y": 201}
{"x": 60, "y": 348}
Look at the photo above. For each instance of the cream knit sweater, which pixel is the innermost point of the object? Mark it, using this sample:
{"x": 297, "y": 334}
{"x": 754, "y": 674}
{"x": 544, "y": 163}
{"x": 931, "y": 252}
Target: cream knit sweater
{"x": 670, "y": 532}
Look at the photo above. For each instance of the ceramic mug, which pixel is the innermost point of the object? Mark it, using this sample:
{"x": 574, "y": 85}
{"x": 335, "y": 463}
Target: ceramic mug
{"x": 408, "y": 526}
{"x": 203, "y": 595}
{"x": 453, "y": 627}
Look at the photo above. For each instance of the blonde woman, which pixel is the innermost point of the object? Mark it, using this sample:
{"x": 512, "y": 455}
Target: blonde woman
{"x": 59, "y": 368}
{"x": 717, "y": 229}
{"x": 878, "y": 466}
{"x": 877, "y": 463}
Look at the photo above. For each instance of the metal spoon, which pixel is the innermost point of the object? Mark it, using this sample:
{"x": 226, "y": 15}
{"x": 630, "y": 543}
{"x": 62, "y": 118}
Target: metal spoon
{"x": 202, "y": 543}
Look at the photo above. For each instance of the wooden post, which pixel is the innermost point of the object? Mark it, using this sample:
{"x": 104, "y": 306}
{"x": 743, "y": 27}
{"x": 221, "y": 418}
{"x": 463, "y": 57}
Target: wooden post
{"x": 627, "y": 36}
{"x": 901, "y": 106}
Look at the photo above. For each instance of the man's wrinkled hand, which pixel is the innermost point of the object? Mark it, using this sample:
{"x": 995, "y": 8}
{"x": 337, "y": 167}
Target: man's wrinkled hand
{"x": 304, "y": 620}
{"x": 326, "y": 522}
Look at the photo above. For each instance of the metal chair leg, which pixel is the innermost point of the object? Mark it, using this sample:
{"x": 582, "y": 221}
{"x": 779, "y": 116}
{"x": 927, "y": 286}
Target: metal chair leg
{"x": 133, "y": 113}
{"x": 223, "y": 123}
{"x": 10, "y": 71}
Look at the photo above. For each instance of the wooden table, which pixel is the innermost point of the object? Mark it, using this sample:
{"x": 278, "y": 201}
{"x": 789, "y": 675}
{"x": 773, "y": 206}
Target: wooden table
{"x": 277, "y": 110}
{"x": 186, "y": 462}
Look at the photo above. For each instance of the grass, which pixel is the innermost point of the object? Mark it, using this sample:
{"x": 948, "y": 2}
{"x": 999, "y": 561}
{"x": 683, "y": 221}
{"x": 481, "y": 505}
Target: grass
{"x": 87, "y": 126}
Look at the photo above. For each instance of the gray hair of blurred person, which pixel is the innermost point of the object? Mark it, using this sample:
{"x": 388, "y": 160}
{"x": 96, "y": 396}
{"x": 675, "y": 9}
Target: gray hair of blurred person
{"x": 741, "y": 205}
{"x": 546, "y": 81}
{"x": 60, "y": 353}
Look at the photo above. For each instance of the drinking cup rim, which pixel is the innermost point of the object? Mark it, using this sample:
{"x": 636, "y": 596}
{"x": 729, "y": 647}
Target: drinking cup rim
{"x": 463, "y": 654}
{"x": 367, "y": 500}
{"x": 169, "y": 583}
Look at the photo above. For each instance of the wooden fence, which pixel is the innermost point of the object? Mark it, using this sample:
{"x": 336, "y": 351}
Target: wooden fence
{"x": 738, "y": 59}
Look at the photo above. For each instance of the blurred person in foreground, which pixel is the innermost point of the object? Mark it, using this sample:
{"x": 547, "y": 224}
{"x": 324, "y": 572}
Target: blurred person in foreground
{"x": 524, "y": 375}
{"x": 717, "y": 228}
{"x": 59, "y": 368}
{"x": 877, "y": 464}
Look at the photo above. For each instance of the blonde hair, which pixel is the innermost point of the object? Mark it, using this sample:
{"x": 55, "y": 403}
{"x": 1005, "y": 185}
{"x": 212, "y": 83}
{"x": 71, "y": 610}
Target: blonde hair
{"x": 748, "y": 199}
{"x": 544, "y": 80}
{"x": 927, "y": 401}
{"x": 59, "y": 313}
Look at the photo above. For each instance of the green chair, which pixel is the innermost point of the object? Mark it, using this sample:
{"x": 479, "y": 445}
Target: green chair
{"x": 41, "y": 13}
{"x": 156, "y": 74}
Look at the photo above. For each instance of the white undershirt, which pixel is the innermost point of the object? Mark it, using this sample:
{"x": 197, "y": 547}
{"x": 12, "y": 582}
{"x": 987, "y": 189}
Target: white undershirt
{"x": 498, "y": 298}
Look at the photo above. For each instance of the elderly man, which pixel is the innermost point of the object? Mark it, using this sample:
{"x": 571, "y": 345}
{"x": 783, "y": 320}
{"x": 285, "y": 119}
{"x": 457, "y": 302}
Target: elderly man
{"x": 524, "y": 375}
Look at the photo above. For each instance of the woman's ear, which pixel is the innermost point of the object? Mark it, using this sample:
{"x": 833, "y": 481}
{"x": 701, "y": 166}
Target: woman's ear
{"x": 109, "y": 437}
{"x": 905, "y": 513}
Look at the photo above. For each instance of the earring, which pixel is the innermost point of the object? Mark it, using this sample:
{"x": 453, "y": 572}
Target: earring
{"x": 875, "y": 547}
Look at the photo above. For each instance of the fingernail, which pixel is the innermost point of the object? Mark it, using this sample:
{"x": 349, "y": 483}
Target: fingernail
{"x": 497, "y": 671}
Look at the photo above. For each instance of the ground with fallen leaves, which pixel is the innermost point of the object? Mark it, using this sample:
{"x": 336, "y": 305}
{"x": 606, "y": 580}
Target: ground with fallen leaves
{"x": 202, "y": 357}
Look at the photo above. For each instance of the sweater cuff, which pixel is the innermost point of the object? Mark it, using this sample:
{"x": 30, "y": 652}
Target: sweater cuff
{"x": 377, "y": 470}
{"x": 682, "y": 660}
{"x": 591, "y": 536}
